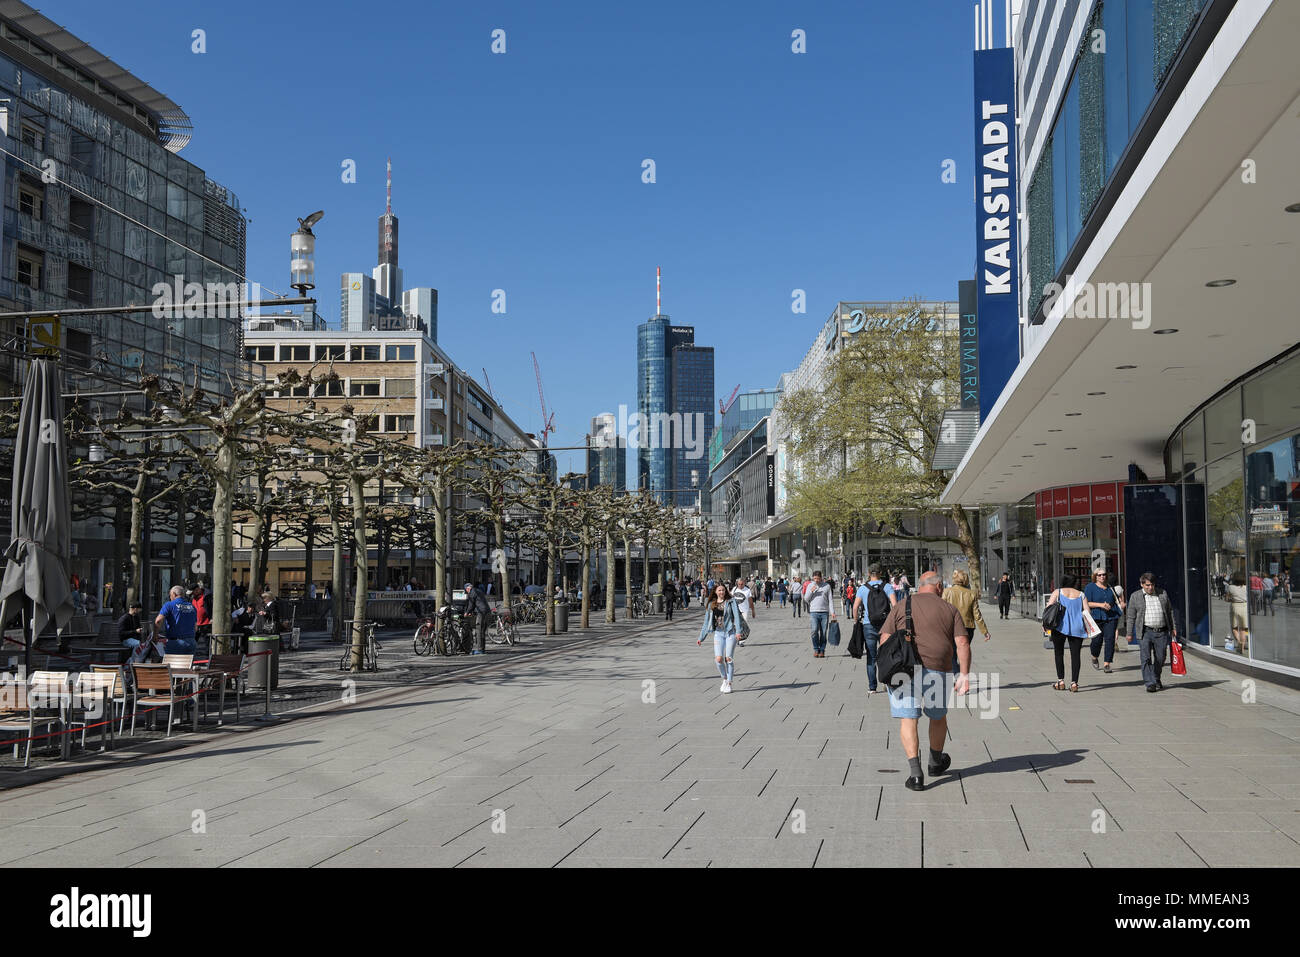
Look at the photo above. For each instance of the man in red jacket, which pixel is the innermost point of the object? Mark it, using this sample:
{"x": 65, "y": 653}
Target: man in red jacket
{"x": 202, "y": 606}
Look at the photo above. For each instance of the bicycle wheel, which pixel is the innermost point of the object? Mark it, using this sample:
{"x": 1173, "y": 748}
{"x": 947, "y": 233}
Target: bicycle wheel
{"x": 511, "y": 633}
{"x": 422, "y": 640}
{"x": 372, "y": 654}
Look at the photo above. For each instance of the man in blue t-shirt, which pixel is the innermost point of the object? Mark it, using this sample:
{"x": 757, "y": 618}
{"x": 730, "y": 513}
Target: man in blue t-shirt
{"x": 871, "y": 632}
{"x": 177, "y": 621}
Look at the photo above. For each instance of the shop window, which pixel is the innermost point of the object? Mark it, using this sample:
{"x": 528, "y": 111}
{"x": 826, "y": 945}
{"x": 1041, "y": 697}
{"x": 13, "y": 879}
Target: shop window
{"x": 1273, "y": 526}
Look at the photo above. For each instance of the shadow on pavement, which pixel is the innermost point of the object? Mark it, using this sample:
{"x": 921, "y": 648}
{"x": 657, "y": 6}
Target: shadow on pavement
{"x": 1027, "y": 763}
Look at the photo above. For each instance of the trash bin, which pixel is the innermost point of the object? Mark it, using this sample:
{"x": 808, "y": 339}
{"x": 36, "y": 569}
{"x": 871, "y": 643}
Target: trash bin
{"x": 259, "y": 667}
{"x": 659, "y": 603}
{"x": 561, "y": 616}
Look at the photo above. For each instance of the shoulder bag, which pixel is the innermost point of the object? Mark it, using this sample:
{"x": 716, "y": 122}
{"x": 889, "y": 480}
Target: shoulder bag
{"x": 898, "y": 655}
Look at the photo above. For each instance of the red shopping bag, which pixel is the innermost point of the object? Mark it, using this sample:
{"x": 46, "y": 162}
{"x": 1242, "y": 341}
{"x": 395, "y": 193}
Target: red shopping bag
{"x": 1177, "y": 664}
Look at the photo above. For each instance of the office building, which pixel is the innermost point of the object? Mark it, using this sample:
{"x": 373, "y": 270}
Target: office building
{"x": 123, "y": 218}
{"x": 1148, "y": 421}
{"x": 675, "y": 402}
{"x": 606, "y": 454}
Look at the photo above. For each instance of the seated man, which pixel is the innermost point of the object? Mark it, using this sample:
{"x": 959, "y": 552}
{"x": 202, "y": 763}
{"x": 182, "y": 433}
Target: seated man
{"x": 180, "y": 620}
{"x": 131, "y": 633}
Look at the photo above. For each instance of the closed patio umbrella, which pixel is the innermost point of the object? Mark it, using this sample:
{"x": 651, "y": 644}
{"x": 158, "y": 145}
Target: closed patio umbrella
{"x": 36, "y": 559}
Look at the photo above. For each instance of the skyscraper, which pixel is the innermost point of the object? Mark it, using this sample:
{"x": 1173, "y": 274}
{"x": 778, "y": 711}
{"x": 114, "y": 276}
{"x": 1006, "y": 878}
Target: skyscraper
{"x": 422, "y": 303}
{"x": 606, "y": 454}
{"x": 675, "y": 400}
{"x": 387, "y": 275}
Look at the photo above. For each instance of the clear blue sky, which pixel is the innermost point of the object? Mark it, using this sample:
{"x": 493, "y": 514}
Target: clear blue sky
{"x": 522, "y": 171}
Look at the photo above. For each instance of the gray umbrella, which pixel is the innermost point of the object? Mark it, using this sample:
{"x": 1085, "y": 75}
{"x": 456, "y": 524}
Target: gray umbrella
{"x": 36, "y": 569}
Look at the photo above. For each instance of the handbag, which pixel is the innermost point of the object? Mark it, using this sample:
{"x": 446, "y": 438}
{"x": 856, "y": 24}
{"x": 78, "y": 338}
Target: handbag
{"x": 857, "y": 641}
{"x": 1052, "y": 616}
{"x": 1177, "y": 663}
{"x": 833, "y": 633}
{"x": 1089, "y": 625}
{"x": 898, "y": 655}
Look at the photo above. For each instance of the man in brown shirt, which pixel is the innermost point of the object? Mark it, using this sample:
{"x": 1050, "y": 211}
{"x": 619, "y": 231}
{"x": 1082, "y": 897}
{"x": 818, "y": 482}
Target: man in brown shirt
{"x": 938, "y": 628}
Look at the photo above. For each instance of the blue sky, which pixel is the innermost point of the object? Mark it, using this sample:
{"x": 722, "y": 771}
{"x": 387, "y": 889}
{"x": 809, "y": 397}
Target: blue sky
{"x": 775, "y": 171}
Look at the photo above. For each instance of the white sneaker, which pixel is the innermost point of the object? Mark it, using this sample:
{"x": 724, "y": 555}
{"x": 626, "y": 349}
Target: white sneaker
{"x": 726, "y": 687}
{"x": 723, "y": 687}
{"x": 740, "y": 644}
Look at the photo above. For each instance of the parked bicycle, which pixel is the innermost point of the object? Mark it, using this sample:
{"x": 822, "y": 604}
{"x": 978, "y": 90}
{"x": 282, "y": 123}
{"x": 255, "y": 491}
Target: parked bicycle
{"x": 504, "y": 632}
{"x": 445, "y": 635}
{"x": 369, "y": 649}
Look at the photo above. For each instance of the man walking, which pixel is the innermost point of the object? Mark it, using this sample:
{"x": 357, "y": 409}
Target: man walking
{"x": 670, "y": 599}
{"x": 871, "y": 605}
{"x": 179, "y": 619}
{"x": 1004, "y": 590}
{"x": 938, "y": 628}
{"x": 1151, "y": 617}
{"x": 819, "y": 598}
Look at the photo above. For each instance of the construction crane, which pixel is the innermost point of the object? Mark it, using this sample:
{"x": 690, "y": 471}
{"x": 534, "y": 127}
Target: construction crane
{"x": 488, "y": 382}
{"x": 724, "y": 406}
{"x": 548, "y": 421}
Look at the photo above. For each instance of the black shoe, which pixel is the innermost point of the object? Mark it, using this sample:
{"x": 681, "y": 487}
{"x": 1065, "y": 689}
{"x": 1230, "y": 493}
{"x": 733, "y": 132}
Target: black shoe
{"x": 941, "y": 767}
{"x": 1160, "y": 686}
{"x": 915, "y": 783}
{"x": 1152, "y": 688}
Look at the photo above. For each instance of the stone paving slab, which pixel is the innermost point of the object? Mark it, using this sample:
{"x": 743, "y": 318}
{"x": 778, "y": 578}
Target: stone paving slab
{"x": 569, "y": 760}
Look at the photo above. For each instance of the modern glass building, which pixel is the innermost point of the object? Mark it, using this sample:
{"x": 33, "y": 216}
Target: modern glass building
{"x": 606, "y": 454}
{"x": 101, "y": 211}
{"x": 674, "y": 379}
{"x": 745, "y": 412}
{"x": 1151, "y": 423}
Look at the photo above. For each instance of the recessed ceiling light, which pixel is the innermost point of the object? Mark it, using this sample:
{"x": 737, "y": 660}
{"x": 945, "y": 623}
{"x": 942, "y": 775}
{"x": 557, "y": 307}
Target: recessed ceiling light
{"x": 1108, "y": 456}
{"x": 1053, "y": 430}
{"x": 1126, "y": 367}
{"x": 1220, "y": 283}
{"x": 1293, "y": 208}
{"x": 1026, "y": 456}
{"x": 1164, "y": 332}
{"x": 1040, "y": 443}
{"x": 1096, "y": 393}
{"x": 1071, "y": 448}
{"x": 1069, "y": 414}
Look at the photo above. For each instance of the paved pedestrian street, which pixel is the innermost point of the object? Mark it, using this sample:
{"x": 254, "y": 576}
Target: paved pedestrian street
{"x": 623, "y": 752}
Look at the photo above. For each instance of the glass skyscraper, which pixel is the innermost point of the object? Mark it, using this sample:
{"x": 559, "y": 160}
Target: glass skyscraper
{"x": 675, "y": 399}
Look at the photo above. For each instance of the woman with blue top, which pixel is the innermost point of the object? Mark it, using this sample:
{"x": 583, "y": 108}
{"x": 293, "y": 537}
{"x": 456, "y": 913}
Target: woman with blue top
{"x": 1071, "y": 627}
{"x": 722, "y": 620}
{"x": 1105, "y": 607}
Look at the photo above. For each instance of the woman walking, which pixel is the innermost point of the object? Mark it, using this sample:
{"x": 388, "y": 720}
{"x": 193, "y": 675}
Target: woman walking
{"x": 722, "y": 620}
{"x": 961, "y": 597}
{"x": 796, "y": 597}
{"x": 1071, "y": 627}
{"x": 1105, "y": 607}
{"x": 783, "y": 591}
{"x": 1237, "y": 604}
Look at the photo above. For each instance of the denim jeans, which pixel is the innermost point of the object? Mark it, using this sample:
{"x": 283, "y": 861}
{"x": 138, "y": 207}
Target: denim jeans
{"x": 818, "y": 620}
{"x": 1106, "y": 640}
{"x": 724, "y": 647}
{"x": 871, "y": 641}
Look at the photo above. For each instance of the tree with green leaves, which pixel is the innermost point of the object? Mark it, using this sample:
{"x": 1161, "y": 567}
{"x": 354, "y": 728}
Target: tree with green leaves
{"x": 865, "y": 436}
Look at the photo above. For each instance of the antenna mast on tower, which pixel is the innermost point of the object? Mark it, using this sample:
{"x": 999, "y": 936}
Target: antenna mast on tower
{"x": 389, "y": 208}
{"x": 658, "y": 303}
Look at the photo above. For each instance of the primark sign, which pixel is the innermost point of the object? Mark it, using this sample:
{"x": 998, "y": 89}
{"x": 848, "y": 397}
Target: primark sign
{"x": 996, "y": 286}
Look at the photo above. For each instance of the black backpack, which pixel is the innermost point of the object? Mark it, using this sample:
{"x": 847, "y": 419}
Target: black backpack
{"x": 877, "y": 605}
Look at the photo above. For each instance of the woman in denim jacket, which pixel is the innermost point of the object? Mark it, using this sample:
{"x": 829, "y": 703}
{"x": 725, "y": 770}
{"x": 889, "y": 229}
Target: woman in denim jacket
{"x": 722, "y": 619}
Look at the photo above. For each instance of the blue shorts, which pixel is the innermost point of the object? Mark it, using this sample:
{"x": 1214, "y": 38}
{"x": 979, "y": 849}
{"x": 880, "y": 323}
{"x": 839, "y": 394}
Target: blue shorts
{"x": 934, "y": 687}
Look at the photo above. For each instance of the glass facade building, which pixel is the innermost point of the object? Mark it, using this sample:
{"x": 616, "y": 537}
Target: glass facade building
{"x": 100, "y": 211}
{"x": 674, "y": 381}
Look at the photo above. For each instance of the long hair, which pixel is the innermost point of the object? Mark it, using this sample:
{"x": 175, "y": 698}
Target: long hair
{"x": 713, "y": 596}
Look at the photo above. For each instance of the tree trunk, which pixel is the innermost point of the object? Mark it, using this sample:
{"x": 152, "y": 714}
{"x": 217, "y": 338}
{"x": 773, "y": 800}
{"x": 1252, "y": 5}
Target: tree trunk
{"x": 961, "y": 518}
{"x": 309, "y": 553}
{"x": 609, "y": 576}
{"x": 135, "y": 588}
{"x": 359, "y": 542}
{"x": 410, "y": 547}
{"x": 549, "y": 597}
{"x": 586, "y": 579}
{"x": 627, "y": 576}
{"x": 336, "y": 577}
{"x": 222, "y": 554}
{"x": 256, "y": 570}
{"x": 645, "y": 575}
{"x": 499, "y": 529}
{"x": 439, "y": 546}
{"x": 264, "y": 546}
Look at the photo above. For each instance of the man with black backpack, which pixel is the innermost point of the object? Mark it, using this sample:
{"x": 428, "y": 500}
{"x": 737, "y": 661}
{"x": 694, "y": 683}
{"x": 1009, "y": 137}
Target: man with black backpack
{"x": 935, "y": 628}
{"x": 872, "y": 601}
